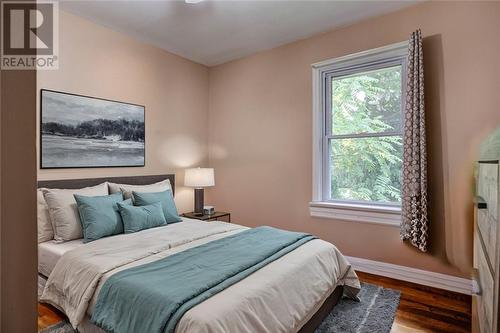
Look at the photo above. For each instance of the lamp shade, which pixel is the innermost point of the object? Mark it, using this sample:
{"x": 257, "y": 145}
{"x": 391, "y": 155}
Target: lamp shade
{"x": 199, "y": 177}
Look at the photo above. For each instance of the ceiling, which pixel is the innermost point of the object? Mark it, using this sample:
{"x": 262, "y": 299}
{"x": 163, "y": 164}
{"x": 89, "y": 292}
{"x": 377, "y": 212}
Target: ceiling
{"x": 214, "y": 32}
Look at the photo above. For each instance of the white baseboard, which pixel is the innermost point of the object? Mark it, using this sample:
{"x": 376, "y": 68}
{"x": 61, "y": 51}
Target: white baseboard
{"x": 426, "y": 278}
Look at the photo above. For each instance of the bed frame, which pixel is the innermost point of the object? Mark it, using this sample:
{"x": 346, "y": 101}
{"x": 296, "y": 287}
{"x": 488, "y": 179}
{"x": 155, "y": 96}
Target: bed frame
{"x": 308, "y": 327}
{"x": 86, "y": 182}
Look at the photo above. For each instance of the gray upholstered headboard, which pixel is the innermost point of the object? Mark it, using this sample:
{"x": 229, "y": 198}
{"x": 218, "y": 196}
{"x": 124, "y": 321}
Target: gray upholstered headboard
{"x": 132, "y": 180}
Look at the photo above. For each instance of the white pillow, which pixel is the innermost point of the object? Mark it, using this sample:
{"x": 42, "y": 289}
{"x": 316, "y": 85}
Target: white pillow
{"x": 64, "y": 212}
{"x": 127, "y": 189}
{"x": 45, "y": 230}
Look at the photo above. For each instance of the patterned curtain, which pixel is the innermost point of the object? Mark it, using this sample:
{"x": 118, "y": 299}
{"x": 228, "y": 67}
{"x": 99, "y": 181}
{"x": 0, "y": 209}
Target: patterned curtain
{"x": 415, "y": 220}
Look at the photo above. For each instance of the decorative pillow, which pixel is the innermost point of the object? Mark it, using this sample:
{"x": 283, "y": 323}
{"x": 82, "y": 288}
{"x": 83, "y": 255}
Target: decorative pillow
{"x": 140, "y": 218}
{"x": 45, "y": 231}
{"x": 165, "y": 198}
{"x": 100, "y": 216}
{"x": 127, "y": 189}
{"x": 64, "y": 212}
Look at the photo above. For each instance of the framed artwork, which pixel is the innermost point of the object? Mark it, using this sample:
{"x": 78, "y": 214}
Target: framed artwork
{"x": 86, "y": 132}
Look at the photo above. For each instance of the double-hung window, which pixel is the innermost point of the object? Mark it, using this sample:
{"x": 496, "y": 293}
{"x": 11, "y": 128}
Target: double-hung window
{"x": 358, "y": 139}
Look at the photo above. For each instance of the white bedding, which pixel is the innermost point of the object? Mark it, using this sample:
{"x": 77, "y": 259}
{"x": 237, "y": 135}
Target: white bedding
{"x": 50, "y": 252}
{"x": 280, "y": 297}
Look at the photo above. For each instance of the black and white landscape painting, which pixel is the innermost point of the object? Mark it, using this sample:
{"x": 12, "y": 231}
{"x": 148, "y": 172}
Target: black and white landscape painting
{"x": 82, "y": 132}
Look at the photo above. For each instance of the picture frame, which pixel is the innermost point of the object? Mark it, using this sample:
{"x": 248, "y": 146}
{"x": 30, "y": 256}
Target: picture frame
{"x": 80, "y": 131}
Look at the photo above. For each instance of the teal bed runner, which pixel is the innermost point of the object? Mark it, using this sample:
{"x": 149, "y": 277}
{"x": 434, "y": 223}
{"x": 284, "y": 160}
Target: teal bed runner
{"x": 153, "y": 297}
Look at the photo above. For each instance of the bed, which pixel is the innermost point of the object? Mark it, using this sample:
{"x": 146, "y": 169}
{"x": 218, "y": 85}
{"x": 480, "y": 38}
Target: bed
{"x": 290, "y": 294}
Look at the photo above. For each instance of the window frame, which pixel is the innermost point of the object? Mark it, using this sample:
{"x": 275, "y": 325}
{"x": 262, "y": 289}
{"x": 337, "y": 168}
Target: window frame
{"x": 323, "y": 72}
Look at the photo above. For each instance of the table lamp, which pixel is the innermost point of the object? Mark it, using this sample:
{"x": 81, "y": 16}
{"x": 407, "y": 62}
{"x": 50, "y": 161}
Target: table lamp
{"x": 199, "y": 178}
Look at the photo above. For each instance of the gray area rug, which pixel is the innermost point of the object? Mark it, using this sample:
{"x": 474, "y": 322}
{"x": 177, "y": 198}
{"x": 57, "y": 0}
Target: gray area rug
{"x": 374, "y": 314}
{"x": 61, "y": 327}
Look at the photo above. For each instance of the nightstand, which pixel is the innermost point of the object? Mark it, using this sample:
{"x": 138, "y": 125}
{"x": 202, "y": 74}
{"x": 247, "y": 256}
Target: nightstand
{"x": 213, "y": 217}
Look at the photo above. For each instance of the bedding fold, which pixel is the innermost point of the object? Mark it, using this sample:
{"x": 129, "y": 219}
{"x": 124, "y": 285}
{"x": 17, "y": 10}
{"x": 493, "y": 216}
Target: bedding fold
{"x": 153, "y": 297}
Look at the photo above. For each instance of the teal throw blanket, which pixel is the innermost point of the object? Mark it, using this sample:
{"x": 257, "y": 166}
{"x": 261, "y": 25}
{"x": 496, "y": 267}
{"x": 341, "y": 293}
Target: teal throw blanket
{"x": 153, "y": 297}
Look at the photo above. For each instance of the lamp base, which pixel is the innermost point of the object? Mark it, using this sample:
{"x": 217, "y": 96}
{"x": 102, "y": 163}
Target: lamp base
{"x": 198, "y": 201}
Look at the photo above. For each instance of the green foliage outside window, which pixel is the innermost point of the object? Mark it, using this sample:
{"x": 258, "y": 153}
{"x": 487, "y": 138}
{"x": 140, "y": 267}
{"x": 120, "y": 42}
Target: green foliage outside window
{"x": 367, "y": 168}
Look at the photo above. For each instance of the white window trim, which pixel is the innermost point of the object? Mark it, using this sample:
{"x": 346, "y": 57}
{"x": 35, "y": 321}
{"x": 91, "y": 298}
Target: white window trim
{"x": 378, "y": 214}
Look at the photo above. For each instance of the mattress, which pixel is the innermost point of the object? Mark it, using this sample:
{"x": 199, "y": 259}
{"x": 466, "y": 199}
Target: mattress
{"x": 50, "y": 252}
{"x": 280, "y": 297}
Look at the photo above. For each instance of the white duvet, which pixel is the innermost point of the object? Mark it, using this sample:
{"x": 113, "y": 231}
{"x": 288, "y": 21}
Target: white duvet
{"x": 280, "y": 297}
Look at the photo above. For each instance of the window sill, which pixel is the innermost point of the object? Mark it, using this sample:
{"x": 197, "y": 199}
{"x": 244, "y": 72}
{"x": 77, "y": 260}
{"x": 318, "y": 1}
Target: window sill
{"x": 388, "y": 216}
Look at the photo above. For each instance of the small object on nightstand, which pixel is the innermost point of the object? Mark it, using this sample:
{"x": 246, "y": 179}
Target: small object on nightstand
{"x": 216, "y": 216}
{"x": 208, "y": 210}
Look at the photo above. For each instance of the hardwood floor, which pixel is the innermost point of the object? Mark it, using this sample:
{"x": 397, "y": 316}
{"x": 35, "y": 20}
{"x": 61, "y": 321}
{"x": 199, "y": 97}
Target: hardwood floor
{"x": 48, "y": 316}
{"x": 422, "y": 309}
{"x": 426, "y": 309}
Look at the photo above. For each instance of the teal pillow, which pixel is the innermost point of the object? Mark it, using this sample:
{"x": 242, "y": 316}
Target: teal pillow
{"x": 165, "y": 198}
{"x": 140, "y": 218}
{"x": 99, "y": 215}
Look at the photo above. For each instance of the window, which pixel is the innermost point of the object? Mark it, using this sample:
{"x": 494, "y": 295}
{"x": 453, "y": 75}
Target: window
{"x": 358, "y": 103}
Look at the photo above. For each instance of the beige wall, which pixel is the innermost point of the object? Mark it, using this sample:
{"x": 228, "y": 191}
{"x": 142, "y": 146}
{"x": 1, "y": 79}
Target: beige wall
{"x": 261, "y": 127}
{"x": 97, "y": 61}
